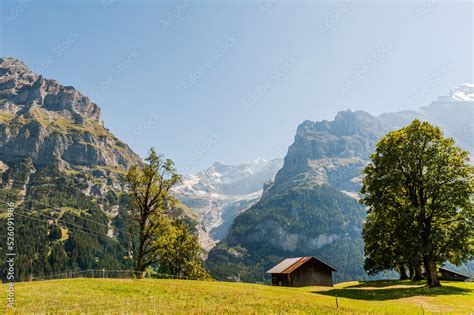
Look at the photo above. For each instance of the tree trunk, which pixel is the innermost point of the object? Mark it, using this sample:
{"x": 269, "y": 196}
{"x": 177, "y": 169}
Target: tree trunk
{"x": 428, "y": 261}
{"x": 415, "y": 269}
{"x": 411, "y": 272}
{"x": 418, "y": 274}
{"x": 139, "y": 262}
{"x": 139, "y": 268}
{"x": 431, "y": 272}
{"x": 403, "y": 272}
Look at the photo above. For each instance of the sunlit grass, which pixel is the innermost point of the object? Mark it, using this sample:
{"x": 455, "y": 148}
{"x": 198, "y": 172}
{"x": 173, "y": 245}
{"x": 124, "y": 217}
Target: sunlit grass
{"x": 117, "y": 296}
{"x": 5, "y": 116}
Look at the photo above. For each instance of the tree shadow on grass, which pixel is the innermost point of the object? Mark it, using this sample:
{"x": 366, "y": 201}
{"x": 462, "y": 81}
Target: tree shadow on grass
{"x": 379, "y": 293}
{"x": 386, "y": 283}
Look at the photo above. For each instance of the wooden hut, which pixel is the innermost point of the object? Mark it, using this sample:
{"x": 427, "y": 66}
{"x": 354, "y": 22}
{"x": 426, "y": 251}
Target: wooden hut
{"x": 301, "y": 272}
{"x": 450, "y": 275}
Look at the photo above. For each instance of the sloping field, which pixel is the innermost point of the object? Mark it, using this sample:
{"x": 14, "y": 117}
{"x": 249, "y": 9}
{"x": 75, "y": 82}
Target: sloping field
{"x": 117, "y": 296}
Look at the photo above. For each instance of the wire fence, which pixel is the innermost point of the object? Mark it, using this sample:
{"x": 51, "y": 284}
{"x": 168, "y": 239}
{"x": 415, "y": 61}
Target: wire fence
{"x": 105, "y": 273}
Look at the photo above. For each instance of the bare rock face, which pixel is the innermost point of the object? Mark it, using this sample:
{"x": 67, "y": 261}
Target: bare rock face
{"x": 20, "y": 86}
{"x": 52, "y": 123}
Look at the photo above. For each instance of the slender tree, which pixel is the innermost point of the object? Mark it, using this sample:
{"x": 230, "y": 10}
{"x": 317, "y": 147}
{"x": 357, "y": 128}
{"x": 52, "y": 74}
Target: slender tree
{"x": 422, "y": 185}
{"x": 150, "y": 186}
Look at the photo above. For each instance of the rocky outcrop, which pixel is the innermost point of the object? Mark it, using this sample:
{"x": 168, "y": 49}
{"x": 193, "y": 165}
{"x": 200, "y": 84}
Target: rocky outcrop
{"x": 54, "y": 124}
{"x": 21, "y": 87}
{"x": 329, "y": 152}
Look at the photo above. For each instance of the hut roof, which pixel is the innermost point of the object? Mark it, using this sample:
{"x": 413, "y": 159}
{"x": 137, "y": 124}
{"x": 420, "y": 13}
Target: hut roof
{"x": 291, "y": 264}
{"x": 452, "y": 271}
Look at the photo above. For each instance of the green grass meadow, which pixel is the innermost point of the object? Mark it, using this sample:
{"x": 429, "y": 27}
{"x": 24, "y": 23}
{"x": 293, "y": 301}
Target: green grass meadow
{"x": 123, "y": 296}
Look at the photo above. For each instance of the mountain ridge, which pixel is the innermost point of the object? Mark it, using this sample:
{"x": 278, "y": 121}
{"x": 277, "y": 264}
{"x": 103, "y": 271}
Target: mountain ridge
{"x": 54, "y": 123}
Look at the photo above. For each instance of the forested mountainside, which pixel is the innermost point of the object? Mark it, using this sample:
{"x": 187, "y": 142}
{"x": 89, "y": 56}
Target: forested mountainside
{"x": 222, "y": 192}
{"x": 64, "y": 168}
{"x": 311, "y": 208}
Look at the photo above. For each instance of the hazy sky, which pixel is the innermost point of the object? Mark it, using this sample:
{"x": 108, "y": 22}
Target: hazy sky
{"x": 230, "y": 81}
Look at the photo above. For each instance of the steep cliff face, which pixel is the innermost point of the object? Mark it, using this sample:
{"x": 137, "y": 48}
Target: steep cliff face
{"x": 311, "y": 208}
{"x": 52, "y": 123}
{"x": 329, "y": 152}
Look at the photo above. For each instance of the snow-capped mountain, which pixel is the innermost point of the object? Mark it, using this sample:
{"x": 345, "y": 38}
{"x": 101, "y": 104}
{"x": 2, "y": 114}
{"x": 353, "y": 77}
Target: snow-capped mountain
{"x": 222, "y": 192}
{"x": 453, "y": 112}
{"x": 462, "y": 93}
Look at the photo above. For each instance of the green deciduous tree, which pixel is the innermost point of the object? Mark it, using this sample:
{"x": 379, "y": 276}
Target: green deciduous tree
{"x": 179, "y": 250}
{"x": 150, "y": 186}
{"x": 418, "y": 189}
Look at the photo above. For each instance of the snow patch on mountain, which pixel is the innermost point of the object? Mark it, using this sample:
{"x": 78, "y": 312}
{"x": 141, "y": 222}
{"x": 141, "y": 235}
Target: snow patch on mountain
{"x": 462, "y": 93}
{"x": 220, "y": 193}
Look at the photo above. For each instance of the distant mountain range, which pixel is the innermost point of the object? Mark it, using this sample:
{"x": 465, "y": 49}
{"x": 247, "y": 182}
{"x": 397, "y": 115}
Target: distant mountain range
{"x": 311, "y": 208}
{"x": 222, "y": 192}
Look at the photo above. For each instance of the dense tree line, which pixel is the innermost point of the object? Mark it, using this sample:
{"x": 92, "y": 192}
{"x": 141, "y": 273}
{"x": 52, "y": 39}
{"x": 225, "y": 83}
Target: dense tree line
{"x": 49, "y": 238}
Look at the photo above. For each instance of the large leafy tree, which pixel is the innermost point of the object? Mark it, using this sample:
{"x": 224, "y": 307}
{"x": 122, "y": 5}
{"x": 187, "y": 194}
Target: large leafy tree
{"x": 418, "y": 189}
{"x": 150, "y": 186}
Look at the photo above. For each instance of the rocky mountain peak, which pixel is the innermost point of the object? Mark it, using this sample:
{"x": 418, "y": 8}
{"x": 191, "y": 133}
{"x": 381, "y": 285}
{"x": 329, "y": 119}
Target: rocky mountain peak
{"x": 13, "y": 67}
{"x": 54, "y": 124}
{"x": 346, "y": 123}
{"x": 21, "y": 90}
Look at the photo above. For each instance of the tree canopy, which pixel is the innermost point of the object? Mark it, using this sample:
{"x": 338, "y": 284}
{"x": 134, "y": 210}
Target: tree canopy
{"x": 418, "y": 188}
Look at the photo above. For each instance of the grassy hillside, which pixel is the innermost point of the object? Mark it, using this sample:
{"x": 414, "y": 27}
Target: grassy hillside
{"x": 114, "y": 296}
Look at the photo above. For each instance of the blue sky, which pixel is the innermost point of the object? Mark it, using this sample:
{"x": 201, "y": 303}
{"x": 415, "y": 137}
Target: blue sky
{"x": 230, "y": 81}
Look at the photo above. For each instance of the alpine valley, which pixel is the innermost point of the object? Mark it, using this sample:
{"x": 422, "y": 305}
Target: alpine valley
{"x": 64, "y": 170}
